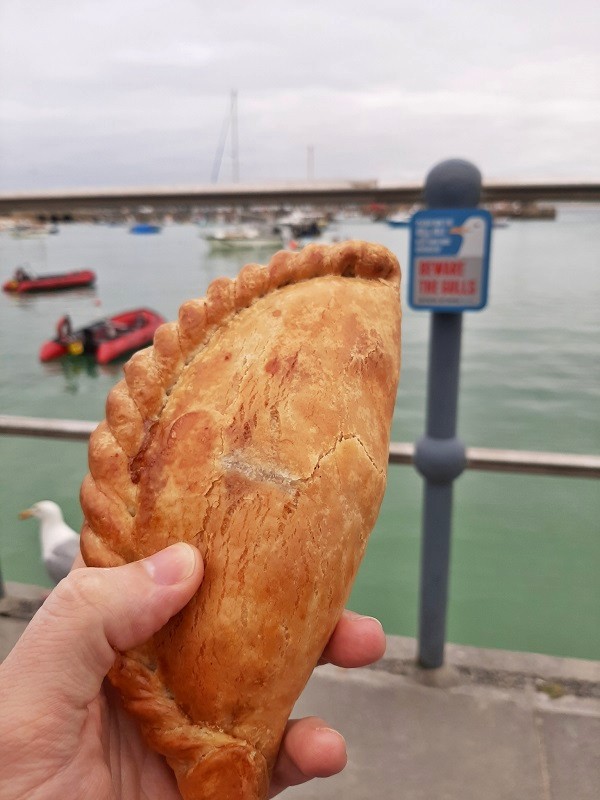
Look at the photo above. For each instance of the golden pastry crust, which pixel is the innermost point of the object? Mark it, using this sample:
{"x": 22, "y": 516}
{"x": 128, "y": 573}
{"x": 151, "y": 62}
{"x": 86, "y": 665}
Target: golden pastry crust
{"x": 256, "y": 428}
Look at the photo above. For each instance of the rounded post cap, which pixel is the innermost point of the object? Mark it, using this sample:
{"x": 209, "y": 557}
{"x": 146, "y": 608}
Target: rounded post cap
{"x": 454, "y": 183}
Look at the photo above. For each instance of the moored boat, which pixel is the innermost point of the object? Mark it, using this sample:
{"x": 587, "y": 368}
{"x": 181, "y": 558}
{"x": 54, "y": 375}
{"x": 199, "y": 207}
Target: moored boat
{"x": 300, "y": 224}
{"x": 398, "y": 220}
{"x": 145, "y": 227}
{"x": 243, "y": 237}
{"x": 106, "y": 339}
{"x": 28, "y": 230}
{"x": 401, "y": 219}
{"x": 24, "y": 282}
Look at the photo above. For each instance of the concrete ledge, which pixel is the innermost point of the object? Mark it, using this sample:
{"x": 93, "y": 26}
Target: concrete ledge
{"x": 502, "y": 668}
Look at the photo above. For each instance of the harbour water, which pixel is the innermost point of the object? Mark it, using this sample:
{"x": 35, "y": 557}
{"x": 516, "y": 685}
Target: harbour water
{"x": 526, "y": 550}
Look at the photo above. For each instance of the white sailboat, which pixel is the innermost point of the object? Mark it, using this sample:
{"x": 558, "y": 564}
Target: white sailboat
{"x": 243, "y": 237}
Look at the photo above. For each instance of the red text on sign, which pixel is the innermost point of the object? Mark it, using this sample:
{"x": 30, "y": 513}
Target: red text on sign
{"x": 447, "y": 287}
{"x": 442, "y": 268}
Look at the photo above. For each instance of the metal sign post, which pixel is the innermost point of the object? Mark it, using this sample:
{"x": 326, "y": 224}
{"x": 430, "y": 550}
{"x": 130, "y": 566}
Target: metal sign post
{"x": 448, "y": 275}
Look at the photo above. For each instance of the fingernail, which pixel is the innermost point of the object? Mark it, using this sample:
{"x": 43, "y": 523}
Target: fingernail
{"x": 172, "y": 565}
{"x": 324, "y": 729}
{"x": 331, "y": 735}
{"x": 375, "y": 620}
{"x": 361, "y": 618}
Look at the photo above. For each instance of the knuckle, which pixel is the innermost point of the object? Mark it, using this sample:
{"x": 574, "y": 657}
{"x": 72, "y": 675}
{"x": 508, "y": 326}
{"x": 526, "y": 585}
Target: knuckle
{"x": 77, "y": 594}
{"x": 80, "y": 585}
{"x": 75, "y": 615}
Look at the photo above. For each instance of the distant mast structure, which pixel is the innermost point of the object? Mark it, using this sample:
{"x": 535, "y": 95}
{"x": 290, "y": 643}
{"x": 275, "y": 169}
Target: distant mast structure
{"x": 230, "y": 124}
{"x": 310, "y": 162}
{"x": 235, "y": 154}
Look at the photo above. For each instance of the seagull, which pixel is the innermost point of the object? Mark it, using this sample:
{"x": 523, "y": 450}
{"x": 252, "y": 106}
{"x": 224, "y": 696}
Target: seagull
{"x": 60, "y": 544}
{"x": 473, "y": 232}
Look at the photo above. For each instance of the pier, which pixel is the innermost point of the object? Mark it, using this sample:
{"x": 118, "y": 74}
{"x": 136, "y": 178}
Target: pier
{"x": 490, "y": 725}
{"x": 317, "y": 193}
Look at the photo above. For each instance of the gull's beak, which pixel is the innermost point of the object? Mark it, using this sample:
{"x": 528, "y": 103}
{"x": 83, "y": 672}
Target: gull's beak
{"x": 26, "y": 514}
{"x": 459, "y": 231}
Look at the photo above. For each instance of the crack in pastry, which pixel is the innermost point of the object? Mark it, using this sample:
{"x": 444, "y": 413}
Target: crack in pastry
{"x": 256, "y": 428}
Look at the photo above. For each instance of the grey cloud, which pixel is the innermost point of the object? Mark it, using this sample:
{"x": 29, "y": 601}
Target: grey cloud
{"x": 113, "y": 93}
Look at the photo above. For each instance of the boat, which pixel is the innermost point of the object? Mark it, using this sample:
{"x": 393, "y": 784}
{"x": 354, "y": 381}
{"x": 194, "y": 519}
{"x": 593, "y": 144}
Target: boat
{"x": 242, "y": 237}
{"x": 401, "y": 219}
{"x": 522, "y": 210}
{"x": 301, "y": 224}
{"x": 24, "y": 282}
{"x": 28, "y": 230}
{"x": 106, "y": 339}
{"x": 145, "y": 227}
{"x": 398, "y": 220}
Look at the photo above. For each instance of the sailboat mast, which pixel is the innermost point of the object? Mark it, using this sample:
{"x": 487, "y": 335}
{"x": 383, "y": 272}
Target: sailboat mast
{"x": 235, "y": 155}
{"x": 310, "y": 162}
{"x": 230, "y": 123}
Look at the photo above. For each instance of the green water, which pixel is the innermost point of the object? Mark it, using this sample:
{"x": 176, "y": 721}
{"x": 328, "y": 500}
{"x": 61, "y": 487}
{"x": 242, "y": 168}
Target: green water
{"x": 526, "y": 550}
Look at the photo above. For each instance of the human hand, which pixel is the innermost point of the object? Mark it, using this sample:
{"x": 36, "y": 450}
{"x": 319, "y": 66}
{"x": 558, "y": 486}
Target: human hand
{"x": 63, "y": 730}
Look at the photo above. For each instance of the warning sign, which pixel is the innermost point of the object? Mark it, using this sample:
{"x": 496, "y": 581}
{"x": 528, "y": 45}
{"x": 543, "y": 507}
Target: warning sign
{"x": 449, "y": 259}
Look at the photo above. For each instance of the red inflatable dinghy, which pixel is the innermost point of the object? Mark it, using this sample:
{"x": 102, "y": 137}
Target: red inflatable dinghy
{"x": 23, "y": 282}
{"x": 106, "y": 339}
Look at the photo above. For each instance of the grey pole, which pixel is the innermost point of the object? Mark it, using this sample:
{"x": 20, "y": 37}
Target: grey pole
{"x": 439, "y": 454}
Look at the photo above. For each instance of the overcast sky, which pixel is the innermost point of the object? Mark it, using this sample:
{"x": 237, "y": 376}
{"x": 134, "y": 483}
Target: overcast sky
{"x": 136, "y": 92}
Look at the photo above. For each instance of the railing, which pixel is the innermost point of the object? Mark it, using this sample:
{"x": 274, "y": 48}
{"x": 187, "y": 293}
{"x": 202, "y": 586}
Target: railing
{"x": 478, "y": 458}
{"x": 485, "y": 459}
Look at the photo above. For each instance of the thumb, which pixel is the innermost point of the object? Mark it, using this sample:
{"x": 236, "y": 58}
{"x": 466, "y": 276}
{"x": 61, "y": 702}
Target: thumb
{"x": 68, "y": 647}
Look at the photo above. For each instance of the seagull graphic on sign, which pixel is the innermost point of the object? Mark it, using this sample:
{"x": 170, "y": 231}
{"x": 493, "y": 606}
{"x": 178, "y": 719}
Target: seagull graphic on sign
{"x": 473, "y": 232}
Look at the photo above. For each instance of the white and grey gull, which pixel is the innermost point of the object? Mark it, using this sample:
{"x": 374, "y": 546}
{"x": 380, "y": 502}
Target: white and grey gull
{"x": 60, "y": 544}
